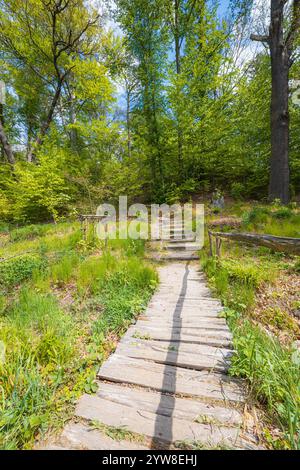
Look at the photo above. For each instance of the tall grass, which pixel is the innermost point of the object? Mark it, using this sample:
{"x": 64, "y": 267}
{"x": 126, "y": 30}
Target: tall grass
{"x": 272, "y": 370}
{"x": 50, "y": 351}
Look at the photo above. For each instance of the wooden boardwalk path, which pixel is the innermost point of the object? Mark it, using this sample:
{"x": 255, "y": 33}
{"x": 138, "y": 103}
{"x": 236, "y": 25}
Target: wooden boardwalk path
{"x": 166, "y": 386}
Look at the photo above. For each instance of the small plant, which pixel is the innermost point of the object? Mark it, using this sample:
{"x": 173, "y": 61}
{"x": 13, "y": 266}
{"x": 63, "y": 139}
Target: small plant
{"x": 120, "y": 433}
{"x": 257, "y": 215}
{"x": 238, "y": 191}
{"x": 282, "y": 213}
{"x": 141, "y": 336}
{"x": 19, "y": 269}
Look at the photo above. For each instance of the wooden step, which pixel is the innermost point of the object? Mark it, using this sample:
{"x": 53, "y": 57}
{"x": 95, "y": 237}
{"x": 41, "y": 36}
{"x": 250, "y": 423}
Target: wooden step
{"x": 83, "y": 437}
{"x": 165, "y": 346}
{"x": 183, "y": 246}
{"x": 158, "y": 334}
{"x": 154, "y": 425}
{"x": 205, "y": 385}
{"x": 159, "y": 403}
{"x": 156, "y": 353}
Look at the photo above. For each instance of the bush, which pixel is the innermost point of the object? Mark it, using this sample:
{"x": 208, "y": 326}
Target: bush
{"x": 282, "y": 213}
{"x": 238, "y": 191}
{"x": 17, "y": 270}
{"x": 28, "y": 232}
{"x": 41, "y": 193}
{"x": 257, "y": 215}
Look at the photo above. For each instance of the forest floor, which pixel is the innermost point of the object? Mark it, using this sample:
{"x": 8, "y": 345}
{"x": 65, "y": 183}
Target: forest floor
{"x": 61, "y": 295}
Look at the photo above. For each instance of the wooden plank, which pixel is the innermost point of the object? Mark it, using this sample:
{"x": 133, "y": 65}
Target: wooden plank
{"x": 284, "y": 244}
{"x": 155, "y": 426}
{"x": 179, "y": 359}
{"x": 180, "y": 408}
{"x": 193, "y": 333}
{"x": 200, "y": 323}
{"x": 177, "y": 313}
{"x": 206, "y": 385}
{"x": 158, "y": 334}
{"x": 82, "y": 437}
{"x": 165, "y": 347}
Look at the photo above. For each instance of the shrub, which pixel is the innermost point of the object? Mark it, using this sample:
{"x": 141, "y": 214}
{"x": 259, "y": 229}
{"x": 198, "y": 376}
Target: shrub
{"x": 17, "y": 270}
{"x": 29, "y": 232}
{"x": 282, "y": 213}
{"x": 41, "y": 192}
{"x": 246, "y": 273}
{"x": 238, "y": 191}
{"x": 257, "y": 215}
{"x": 62, "y": 271}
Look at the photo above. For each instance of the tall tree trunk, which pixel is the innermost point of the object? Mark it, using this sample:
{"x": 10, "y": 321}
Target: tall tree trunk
{"x": 46, "y": 123}
{"x": 281, "y": 48}
{"x": 7, "y": 148}
{"x": 72, "y": 115}
{"x": 128, "y": 121}
{"x": 279, "y": 167}
{"x": 178, "y": 70}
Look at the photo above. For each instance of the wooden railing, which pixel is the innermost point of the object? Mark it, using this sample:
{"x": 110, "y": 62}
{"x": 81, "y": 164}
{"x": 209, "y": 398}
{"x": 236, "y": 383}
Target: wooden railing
{"x": 283, "y": 244}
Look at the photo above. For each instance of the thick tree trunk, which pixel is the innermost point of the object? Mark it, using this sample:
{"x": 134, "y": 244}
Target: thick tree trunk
{"x": 279, "y": 167}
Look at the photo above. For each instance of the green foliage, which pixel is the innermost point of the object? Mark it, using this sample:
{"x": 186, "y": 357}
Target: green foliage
{"x": 238, "y": 190}
{"x": 29, "y": 232}
{"x": 256, "y": 215}
{"x": 272, "y": 370}
{"x": 50, "y": 349}
{"x": 16, "y": 270}
{"x": 274, "y": 375}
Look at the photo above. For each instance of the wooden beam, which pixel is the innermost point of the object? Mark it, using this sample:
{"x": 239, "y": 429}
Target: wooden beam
{"x": 283, "y": 244}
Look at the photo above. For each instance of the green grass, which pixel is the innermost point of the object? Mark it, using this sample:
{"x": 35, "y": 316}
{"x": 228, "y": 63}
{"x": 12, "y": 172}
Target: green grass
{"x": 50, "y": 349}
{"x": 272, "y": 370}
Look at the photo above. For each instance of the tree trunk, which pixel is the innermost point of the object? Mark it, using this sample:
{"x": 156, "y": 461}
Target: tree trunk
{"x": 279, "y": 166}
{"x": 178, "y": 70}
{"x": 128, "y": 121}
{"x": 73, "y": 120}
{"x": 46, "y": 123}
{"x": 7, "y": 149}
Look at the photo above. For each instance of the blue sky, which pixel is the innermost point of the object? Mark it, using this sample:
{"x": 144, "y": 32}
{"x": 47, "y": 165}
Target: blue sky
{"x": 223, "y": 6}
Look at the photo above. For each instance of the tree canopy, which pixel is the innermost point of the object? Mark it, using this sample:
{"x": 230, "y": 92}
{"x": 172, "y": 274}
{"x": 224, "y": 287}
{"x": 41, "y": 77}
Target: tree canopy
{"x": 171, "y": 102}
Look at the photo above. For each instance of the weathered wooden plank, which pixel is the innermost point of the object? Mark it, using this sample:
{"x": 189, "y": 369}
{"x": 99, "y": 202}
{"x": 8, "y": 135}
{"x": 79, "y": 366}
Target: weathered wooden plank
{"x": 200, "y": 323}
{"x": 177, "y": 313}
{"x": 159, "y": 334}
{"x": 82, "y": 437}
{"x": 180, "y": 359}
{"x": 191, "y": 332}
{"x": 284, "y": 244}
{"x": 155, "y": 426}
{"x": 206, "y": 385}
{"x": 166, "y": 347}
{"x": 167, "y": 405}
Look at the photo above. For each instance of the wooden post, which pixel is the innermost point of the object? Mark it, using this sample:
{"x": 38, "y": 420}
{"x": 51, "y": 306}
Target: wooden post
{"x": 106, "y": 238}
{"x": 210, "y": 244}
{"x": 218, "y": 247}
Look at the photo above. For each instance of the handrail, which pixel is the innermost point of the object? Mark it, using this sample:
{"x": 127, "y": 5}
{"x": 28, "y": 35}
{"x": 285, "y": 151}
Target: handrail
{"x": 283, "y": 244}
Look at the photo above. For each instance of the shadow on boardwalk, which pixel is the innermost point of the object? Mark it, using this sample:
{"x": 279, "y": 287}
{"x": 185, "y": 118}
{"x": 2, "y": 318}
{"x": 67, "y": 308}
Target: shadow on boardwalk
{"x": 167, "y": 402}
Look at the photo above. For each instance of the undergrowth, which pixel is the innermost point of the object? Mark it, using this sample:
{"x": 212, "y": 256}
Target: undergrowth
{"x": 61, "y": 310}
{"x": 272, "y": 370}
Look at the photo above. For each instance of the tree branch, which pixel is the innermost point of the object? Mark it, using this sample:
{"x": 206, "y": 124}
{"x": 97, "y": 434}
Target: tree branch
{"x": 259, "y": 38}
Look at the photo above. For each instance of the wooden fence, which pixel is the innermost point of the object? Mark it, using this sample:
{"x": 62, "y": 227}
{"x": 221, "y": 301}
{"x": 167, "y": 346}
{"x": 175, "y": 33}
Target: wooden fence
{"x": 283, "y": 244}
